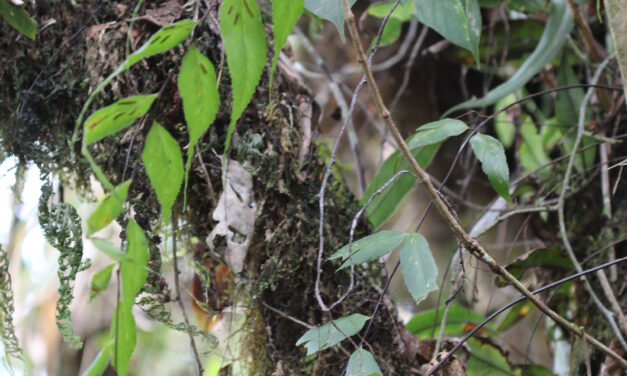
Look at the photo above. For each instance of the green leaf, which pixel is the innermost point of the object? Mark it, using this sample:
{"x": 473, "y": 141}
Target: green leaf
{"x": 99, "y": 365}
{"x": 285, "y": 14}
{"x": 423, "y": 144}
{"x": 112, "y": 119}
{"x": 615, "y": 11}
{"x": 124, "y": 331}
{"x": 487, "y": 359}
{"x": 245, "y": 47}
{"x": 503, "y": 124}
{"x": 533, "y": 370}
{"x": 164, "y": 166}
{"x": 489, "y": 151}
{"x": 392, "y": 30}
{"x": 18, "y": 18}
{"x": 530, "y": 152}
{"x": 198, "y": 87}
{"x": 328, "y": 335}
{"x": 134, "y": 273}
{"x": 369, "y": 248}
{"x": 518, "y": 312}
{"x": 539, "y": 257}
{"x": 459, "y": 21}
{"x": 109, "y": 249}
{"x": 164, "y": 39}
{"x": 556, "y": 31}
{"x": 108, "y": 209}
{"x": 331, "y": 10}
{"x": 362, "y": 363}
{"x": 418, "y": 266}
{"x": 458, "y": 322}
{"x": 100, "y": 281}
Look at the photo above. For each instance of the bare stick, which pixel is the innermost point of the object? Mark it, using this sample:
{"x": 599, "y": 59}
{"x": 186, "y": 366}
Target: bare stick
{"x": 472, "y": 245}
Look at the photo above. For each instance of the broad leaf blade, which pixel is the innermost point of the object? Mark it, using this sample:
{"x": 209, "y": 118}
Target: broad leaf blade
{"x": 285, "y": 14}
{"x": 459, "y": 21}
{"x": 199, "y": 92}
{"x": 134, "y": 273}
{"x": 245, "y": 48}
{"x": 540, "y": 257}
{"x": 418, "y": 266}
{"x": 164, "y": 166}
{"x": 112, "y": 119}
{"x": 124, "y": 331}
{"x": 458, "y": 322}
{"x": 487, "y": 359}
{"x": 99, "y": 365}
{"x": 556, "y": 31}
{"x": 328, "y": 335}
{"x": 362, "y": 363}
{"x": 164, "y": 39}
{"x": 331, "y": 10}
{"x": 489, "y": 151}
{"x": 369, "y": 248}
{"x": 392, "y": 30}
{"x": 108, "y": 209}
{"x": 18, "y": 18}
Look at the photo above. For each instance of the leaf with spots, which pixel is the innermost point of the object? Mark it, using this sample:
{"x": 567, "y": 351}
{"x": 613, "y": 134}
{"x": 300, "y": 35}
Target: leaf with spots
{"x": 330, "y": 334}
{"x": 489, "y": 151}
{"x": 164, "y": 165}
{"x": 164, "y": 39}
{"x": 113, "y": 118}
{"x": 418, "y": 266}
{"x": 244, "y": 41}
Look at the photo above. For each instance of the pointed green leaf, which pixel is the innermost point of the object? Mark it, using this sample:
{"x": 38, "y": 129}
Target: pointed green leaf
{"x": 362, "y": 363}
{"x": 124, "y": 331}
{"x": 328, "y": 335}
{"x": 99, "y": 365}
{"x": 108, "y": 209}
{"x": 164, "y": 39}
{"x": 540, "y": 257}
{"x": 418, "y": 266}
{"x": 18, "y": 18}
{"x": 109, "y": 249}
{"x": 285, "y": 14}
{"x": 134, "y": 273}
{"x": 459, "y": 21}
{"x": 100, "y": 281}
{"x": 369, "y": 248}
{"x": 331, "y": 10}
{"x": 516, "y": 313}
{"x": 487, "y": 359}
{"x": 164, "y": 166}
{"x": 489, "y": 151}
{"x": 199, "y": 92}
{"x": 245, "y": 46}
{"x": 530, "y": 152}
{"x": 556, "y": 31}
{"x": 423, "y": 144}
{"x": 112, "y": 119}
{"x": 458, "y": 321}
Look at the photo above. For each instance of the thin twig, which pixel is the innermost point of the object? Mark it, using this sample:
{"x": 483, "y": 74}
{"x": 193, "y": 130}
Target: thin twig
{"x": 179, "y": 298}
{"x": 472, "y": 245}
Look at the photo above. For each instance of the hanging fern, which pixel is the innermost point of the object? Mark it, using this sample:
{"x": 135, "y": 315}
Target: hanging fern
{"x": 7, "y": 330}
{"x": 62, "y": 228}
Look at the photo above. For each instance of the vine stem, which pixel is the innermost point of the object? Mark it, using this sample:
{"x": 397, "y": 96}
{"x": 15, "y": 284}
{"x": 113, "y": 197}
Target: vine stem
{"x": 472, "y": 245}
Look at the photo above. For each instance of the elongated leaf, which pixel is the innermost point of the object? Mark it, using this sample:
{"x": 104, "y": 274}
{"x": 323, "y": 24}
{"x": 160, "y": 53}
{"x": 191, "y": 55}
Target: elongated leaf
{"x": 100, "y": 281}
{"x": 540, "y": 257}
{"x": 369, "y": 248}
{"x": 531, "y": 153}
{"x": 516, "y": 313}
{"x": 18, "y": 18}
{"x": 134, "y": 273}
{"x": 459, "y": 21}
{"x": 164, "y": 166}
{"x": 108, "y": 209}
{"x": 331, "y": 10}
{"x": 503, "y": 122}
{"x": 362, "y": 363}
{"x": 199, "y": 92}
{"x": 124, "y": 331}
{"x": 487, "y": 359}
{"x": 423, "y": 144}
{"x": 459, "y": 321}
{"x": 285, "y": 14}
{"x": 489, "y": 151}
{"x": 615, "y": 11}
{"x": 109, "y": 249}
{"x": 556, "y": 31}
{"x": 418, "y": 266}
{"x": 328, "y": 335}
{"x": 164, "y": 39}
{"x": 99, "y": 365}
{"x": 112, "y": 119}
{"x": 245, "y": 47}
